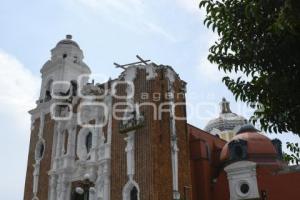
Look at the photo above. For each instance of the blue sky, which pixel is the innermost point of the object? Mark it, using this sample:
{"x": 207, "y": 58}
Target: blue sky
{"x": 168, "y": 32}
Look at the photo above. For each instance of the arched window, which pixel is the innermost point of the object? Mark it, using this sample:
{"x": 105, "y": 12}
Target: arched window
{"x": 134, "y": 194}
{"x": 47, "y": 96}
{"x": 131, "y": 191}
{"x": 39, "y": 150}
{"x": 84, "y": 143}
{"x": 88, "y": 142}
{"x": 74, "y": 87}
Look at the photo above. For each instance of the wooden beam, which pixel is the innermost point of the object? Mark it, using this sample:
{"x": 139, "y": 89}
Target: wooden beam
{"x": 142, "y": 60}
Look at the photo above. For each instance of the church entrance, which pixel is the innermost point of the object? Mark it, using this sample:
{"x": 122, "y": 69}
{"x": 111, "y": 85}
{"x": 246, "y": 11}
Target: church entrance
{"x": 81, "y": 190}
{"x": 77, "y": 196}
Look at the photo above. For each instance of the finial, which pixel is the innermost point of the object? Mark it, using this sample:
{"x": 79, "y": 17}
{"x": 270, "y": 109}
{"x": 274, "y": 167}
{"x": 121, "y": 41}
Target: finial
{"x": 225, "y": 108}
{"x": 69, "y": 37}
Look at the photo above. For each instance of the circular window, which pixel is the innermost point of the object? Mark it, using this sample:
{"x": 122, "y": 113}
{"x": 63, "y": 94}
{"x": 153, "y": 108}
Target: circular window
{"x": 244, "y": 188}
{"x": 39, "y": 150}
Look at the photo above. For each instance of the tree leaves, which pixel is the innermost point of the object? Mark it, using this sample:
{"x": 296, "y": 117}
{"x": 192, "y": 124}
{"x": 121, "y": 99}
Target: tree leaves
{"x": 261, "y": 39}
{"x": 294, "y": 157}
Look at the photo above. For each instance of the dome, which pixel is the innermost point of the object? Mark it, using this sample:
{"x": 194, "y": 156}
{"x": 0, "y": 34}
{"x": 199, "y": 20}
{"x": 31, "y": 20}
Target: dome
{"x": 227, "y": 120}
{"x": 257, "y": 147}
{"x": 68, "y": 50}
{"x": 68, "y": 41}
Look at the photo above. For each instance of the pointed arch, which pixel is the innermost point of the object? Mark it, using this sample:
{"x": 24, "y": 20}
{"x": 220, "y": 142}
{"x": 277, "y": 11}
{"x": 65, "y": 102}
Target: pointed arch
{"x": 133, "y": 194}
{"x": 39, "y": 150}
{"x": 84, "y": 143}
{"x": 131, "y": 191}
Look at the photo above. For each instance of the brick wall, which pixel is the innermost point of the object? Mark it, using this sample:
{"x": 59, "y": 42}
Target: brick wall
{"x": 153, "y": 168}
{"x": 45, "y": 162}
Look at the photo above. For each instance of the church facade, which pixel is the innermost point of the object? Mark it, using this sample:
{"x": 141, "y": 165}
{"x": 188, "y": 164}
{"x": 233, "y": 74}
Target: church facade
{"x": 81, "y": 149}
{"x": 128, "y": 139}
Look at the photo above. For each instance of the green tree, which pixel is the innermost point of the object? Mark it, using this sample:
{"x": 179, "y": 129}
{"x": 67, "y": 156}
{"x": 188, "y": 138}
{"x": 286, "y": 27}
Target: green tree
{"x": 260, "y": 39}
{"x": 294, "y": 156}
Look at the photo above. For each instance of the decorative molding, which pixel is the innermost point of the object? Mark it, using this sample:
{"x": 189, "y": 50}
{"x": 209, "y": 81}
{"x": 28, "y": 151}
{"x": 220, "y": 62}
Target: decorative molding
{"x": 82, "y": 152}
{"x": 130, "y": 154}
{"x": 173, "y": 137}
{"x": 127, "y": 189}
{"x": 242, "y": 180}
{"x": 39, "y": 154}
{"x": 97, "y": 167}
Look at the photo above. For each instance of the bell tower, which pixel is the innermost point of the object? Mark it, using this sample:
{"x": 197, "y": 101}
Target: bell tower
{"x": 66, "y": 64}
{"x": 64, "y": 67}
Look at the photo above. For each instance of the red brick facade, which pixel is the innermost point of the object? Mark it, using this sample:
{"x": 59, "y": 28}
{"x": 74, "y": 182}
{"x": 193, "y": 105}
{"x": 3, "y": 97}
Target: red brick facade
{"x": 153, "y": 166}
{"x": 164, "y": 145}
{"x": 45, "y": 162}
{"x": 153, "y": 171}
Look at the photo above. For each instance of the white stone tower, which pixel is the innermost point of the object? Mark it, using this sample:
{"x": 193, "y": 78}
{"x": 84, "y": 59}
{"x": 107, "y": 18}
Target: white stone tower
{"x": 66, "y": 64}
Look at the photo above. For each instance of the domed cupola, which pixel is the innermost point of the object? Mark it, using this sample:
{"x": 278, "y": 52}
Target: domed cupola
{"x": 67, "y": 41}
{"x": 248, "y": 156}
{"x": 227, "y": 124}
{"x": 67, "y": 49}
{"x": 251, "y": 145}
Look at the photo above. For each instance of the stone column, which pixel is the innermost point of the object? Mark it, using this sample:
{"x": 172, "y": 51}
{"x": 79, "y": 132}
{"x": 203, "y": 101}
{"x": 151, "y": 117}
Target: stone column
{"x": 36, "y": 174}
{"x": 52, "y": 186}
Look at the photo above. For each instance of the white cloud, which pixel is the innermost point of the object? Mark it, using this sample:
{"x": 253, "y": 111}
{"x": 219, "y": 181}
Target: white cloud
{"x": 123, "y": 6}
{"x": 134, "y": 15}
{"x": 206, "y": 69}
{"x": 209, "y": 71}
{"x": 190, "y": 5}
{"x": 159, "y": 30}
{"x": 18, "y": 87}
{"x": 19, "y": 90}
